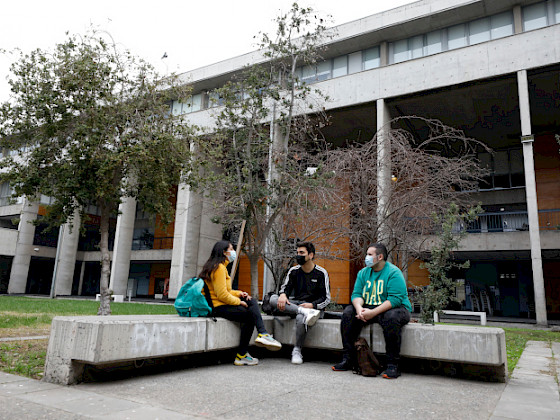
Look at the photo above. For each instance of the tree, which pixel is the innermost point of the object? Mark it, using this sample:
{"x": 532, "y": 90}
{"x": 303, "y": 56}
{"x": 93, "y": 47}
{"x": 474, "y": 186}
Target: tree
{"x": 441, "y": 290}
{"x": 254, "y": 165}
{"x": 428, "y": 174}
{"x": 92, "y": 125}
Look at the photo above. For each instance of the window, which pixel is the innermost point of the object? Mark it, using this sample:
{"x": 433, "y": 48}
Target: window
{"x": 5, "y": 194}
{"x": 501, "y": 25}
{"x": 506, "y": 169}
{"x": 456, "y": 37}
{"x": 433, "y": 43}
{"x": 416, "y": 46}
{"x": 479, "y": 31}
{"x": 371, "y": 58}
{"x": 557, "y": 11}
{"x": 308, "y": 74}
{"x": 323, "y": 70}
{"x": 400, "y": 51}
{"x": 340, "y": 66}
{"x": 534, "y": 16}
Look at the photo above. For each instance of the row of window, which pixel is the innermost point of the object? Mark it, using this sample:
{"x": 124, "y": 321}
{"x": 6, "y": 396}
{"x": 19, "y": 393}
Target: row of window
{"x": 534, "y": 16}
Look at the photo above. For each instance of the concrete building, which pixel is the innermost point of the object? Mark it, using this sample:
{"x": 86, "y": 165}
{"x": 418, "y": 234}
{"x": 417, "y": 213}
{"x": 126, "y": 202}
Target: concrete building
{"x": 490, "y": 68}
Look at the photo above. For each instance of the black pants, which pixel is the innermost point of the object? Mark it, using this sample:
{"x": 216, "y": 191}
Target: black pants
{"x": 391, "y": 322}
{"x": 249, "y": 318}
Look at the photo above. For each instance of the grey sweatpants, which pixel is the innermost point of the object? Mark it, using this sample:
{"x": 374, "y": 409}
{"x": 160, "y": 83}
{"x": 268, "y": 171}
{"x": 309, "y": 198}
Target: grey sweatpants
{"x": 292, "y": 309}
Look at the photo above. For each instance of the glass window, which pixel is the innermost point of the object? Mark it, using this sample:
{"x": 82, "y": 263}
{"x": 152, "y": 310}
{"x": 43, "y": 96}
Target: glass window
{"x": 176, "y": 108}
{"x": 501, "y": 25}
{"x": 557, "y": 11}
{"x": 479, "y": 31}
{"x": 433, "y": 43}
{"x": 196, "y": 102}
{"x": 340, "y": 66}
{"x": 456, "y": 37}
{"x": 371, "y": 58}
{"x": 400, "y": 51}
{"x": 534, "y": 16}
{"x": 416, "y": 45}
{"x": 486, "y": 163}
{"x": 324, "y": 70}
{"x": 308, "y": 74}
{"x": 355, "y": 62}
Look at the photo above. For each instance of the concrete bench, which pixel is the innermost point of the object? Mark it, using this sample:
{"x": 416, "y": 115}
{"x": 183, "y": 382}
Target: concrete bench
{"x": 98, "y": 340}
{"x": 481, "y": 315}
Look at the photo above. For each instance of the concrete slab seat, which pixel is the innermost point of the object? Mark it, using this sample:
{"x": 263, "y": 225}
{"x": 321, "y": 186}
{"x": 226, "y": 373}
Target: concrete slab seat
{"x": 481, "y": 349}
{"x": 77, "y": 341}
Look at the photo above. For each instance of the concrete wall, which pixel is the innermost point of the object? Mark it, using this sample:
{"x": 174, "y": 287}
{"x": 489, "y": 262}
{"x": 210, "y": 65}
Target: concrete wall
{"x": 8, "y": 239}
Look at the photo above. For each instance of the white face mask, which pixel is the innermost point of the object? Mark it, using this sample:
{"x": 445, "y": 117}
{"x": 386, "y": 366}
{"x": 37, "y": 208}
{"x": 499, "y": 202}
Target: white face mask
{"x": 232, "y": 256}
{"x": 369, "y": 261}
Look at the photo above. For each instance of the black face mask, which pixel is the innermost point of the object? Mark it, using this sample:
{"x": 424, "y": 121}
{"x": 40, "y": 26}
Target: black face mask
{"x": 300, "y": 259}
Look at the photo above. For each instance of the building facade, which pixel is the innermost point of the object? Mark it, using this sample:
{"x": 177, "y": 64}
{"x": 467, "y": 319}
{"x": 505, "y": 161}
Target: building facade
{"x": 490, "y": 68}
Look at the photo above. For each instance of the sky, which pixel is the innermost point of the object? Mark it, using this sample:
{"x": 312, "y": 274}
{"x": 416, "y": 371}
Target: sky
{"x": 191, "y": 33}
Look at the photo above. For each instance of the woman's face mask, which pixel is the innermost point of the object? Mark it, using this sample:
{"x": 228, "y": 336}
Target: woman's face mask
{"x": 232, "y": 256}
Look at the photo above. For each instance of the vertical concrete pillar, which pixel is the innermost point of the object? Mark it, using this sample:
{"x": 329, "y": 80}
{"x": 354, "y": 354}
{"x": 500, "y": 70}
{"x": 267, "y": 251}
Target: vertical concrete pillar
{"x": 517, "y": 20}
{"x": 184, "y": 257}
{"x": 122, "y": 249}
{"x": 531, "y": 192}
{"x": 383, "y": 169}
{"x": 24, "y": 248}
{"x": 64, "y": 275}
{"x": 210, "y": 233}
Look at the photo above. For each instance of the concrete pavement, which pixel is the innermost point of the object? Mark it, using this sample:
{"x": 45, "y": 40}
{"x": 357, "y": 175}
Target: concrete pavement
{"x": 277, "y": 389}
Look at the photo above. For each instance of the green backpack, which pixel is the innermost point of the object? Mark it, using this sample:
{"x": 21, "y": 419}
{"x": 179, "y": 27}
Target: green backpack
{"x": 191, "y": 302}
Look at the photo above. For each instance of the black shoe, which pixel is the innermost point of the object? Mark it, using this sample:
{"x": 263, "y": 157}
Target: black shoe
{"x": 392, "y": 372}
{"x": 343, "y": 366}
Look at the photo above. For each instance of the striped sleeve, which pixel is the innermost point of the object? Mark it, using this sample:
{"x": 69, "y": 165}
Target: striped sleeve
{"x": 322, "y": 303}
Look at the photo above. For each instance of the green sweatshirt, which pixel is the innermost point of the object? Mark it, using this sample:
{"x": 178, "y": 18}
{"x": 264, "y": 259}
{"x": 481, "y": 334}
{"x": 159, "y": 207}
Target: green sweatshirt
{"x": 377, "y": 287}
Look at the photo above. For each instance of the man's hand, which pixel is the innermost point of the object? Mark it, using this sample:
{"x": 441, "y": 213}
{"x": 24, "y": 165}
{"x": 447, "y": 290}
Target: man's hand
{"x": 282, "y": 300}
{"x": 365, "y": 314}
{"x": 306, "y": 305}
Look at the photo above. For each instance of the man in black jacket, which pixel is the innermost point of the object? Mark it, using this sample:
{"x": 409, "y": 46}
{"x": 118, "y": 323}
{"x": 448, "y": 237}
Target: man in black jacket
{"x": 305, "y": 293}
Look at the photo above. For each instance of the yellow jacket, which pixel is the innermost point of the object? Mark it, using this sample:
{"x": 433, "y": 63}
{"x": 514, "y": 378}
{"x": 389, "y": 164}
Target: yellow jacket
{"x": 220, "y": 288}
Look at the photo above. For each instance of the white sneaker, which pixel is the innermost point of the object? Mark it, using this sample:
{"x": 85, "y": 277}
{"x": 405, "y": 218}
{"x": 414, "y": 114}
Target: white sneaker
{"x": 311, "y": 316}
{"x": 297, "y": 358}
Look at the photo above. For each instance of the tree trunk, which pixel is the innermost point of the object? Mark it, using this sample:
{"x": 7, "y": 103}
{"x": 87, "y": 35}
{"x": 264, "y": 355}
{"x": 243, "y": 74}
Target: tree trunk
{"x": 254, "y": 263}
{"x": 105, "y": 301}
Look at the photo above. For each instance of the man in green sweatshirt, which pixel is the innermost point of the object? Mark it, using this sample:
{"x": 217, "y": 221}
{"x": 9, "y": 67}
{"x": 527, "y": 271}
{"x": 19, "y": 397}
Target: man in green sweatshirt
{"x": 379, "y": 295}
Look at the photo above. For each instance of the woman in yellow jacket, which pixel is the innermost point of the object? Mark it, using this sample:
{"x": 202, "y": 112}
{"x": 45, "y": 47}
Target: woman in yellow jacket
{"x": 235, "y": 305}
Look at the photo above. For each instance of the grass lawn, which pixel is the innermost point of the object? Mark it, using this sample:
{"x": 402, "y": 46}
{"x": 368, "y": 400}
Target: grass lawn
{"x": 26, "y": 317}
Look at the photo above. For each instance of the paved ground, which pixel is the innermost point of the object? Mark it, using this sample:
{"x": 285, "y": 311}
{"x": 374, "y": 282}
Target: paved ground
{"x": 276, "y": 389}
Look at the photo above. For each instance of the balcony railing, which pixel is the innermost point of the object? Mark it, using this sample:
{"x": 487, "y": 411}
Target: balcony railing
{"x": 510, "y": 221}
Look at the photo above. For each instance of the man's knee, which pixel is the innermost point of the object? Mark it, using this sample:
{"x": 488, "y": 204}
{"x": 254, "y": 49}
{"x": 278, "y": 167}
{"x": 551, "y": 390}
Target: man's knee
{"x": 274, "y": 301}
{"x": 349, "y": 312}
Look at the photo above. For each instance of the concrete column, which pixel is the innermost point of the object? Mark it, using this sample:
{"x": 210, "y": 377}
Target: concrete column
{"x": 531, "y": 191}
{"x": 383, "y": 54}
{"x": 383, "y": 168}
{"x": 67, "y": 257}
{"x": 517, "y": 20}
{"x": 24, "y": 248}
{"x": 122, "y": 249}
{"x": 184, "y": 257}
{"x": 210, "y": 233}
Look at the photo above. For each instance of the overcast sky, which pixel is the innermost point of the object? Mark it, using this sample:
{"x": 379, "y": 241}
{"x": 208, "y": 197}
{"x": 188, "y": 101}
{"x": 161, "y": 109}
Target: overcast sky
{"x": 193, "y": 33}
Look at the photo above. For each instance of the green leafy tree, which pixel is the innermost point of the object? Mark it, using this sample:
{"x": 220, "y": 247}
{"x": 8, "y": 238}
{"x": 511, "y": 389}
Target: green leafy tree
{"x": 254, "y": 165}
{"x": 91, "y": 125}
{"x": 441, "y": 290}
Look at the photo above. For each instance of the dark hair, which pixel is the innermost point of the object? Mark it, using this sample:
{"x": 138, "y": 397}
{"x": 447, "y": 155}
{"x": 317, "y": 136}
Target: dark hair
{"x": 380, "y": 249}
{"x": 216, "y": 258}
{"x": 307, "y": 245}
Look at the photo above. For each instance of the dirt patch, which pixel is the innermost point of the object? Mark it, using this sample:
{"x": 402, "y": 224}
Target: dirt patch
{"x": 25, "y": 331}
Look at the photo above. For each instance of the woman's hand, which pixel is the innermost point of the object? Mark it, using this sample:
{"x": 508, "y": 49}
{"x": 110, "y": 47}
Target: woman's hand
{"x": 245, "y": 295}
{"x": 244, "y": 304}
